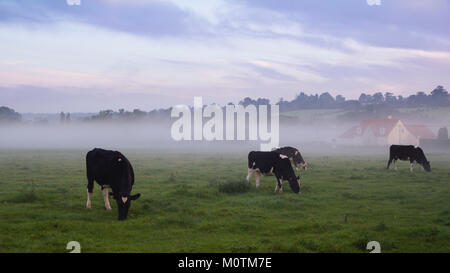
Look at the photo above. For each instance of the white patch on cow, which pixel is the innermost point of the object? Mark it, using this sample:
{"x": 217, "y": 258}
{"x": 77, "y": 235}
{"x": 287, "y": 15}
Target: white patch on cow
{"x": 120, "y": 159}
{"x": 283, "y": 156}
{"x": 296, "y": 152}
{"x": 124, "y": 199}
{"x": 106, "y": 198}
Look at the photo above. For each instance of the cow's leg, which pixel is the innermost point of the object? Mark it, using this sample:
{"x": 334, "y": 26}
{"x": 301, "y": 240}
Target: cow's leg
{"x": 106, "y": 198}
{"x": 279, "y": 184}
{"x": 389, "y": 163}
{"x": 88, "y": 202}
{"x": 249, "y": 174}
{"x": 395, "y": 164}
{"x": 258, "y": 179}
{"x": 90, "y": 190}
{"x": 411, "y": 167}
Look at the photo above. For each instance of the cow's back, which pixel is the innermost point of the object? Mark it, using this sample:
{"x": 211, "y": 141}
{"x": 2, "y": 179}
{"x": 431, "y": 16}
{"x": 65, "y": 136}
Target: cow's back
{"x": 291, "y": 152}
{"x": 264, "y": 161}
{"x": 287, "y": 151}
{"x": 106, "y": 166}
{"x": 402, "y": 152}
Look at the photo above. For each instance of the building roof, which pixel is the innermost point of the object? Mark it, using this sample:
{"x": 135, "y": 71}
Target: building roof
{"x": 420, "y": 131}
{"x": 380, "y": 127}
{"x": 350, "y": 133}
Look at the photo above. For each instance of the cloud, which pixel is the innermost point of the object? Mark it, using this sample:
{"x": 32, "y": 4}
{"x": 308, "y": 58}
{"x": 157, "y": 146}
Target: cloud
{"x": 270, "y": 73}
{"x": 149, "y": 18}
{"x": 226, "y": 49}
{"x": 389, "y": 25}
{"x": 373, "y": 2}
{"x": 23, "y": 99}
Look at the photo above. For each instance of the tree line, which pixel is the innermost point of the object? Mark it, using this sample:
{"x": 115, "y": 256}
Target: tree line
{"x": 366, "y": 104}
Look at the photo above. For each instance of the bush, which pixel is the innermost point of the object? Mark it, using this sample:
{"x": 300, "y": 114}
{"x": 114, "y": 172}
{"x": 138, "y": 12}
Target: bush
{"x": 25, "y": 197}
{"x": 233, "y": 186}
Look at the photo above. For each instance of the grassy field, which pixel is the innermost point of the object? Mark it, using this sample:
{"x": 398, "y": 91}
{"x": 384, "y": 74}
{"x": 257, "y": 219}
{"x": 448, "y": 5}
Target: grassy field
{"x": 196, "y": 203}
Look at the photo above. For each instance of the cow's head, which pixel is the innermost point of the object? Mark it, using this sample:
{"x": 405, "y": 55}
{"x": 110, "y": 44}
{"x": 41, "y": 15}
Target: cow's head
{"x": 124, "y": 203}
{"x": 427, "y": 166}
{"x": 304, "y": 165}
{"x": 295, "y": 184}
{"x": 298, "y": 160}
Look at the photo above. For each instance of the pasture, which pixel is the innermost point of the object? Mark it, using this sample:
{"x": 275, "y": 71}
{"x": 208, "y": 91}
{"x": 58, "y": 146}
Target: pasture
{"x": 198, "y": 203}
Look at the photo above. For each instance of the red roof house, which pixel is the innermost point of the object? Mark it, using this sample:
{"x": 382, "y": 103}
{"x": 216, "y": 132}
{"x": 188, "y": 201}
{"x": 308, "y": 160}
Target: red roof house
{"x": 385, "y": 131}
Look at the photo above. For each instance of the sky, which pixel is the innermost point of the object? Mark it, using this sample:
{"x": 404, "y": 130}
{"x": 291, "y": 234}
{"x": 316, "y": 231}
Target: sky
{"x": 111, "y": 54}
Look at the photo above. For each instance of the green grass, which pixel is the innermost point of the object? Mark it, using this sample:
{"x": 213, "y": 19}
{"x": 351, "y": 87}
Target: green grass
{"x": 198, "y": 203}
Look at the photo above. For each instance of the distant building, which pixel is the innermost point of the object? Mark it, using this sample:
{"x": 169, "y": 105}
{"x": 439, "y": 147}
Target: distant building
{"x": 442, "y": 143}
{"x": 385, "y": 131}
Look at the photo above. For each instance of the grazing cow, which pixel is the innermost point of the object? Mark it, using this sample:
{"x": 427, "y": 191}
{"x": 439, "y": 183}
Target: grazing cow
{"x": 294, "y": 156}
{"x": 111, "y": 169}
{"x": 271, "y": 163}
{"x": 408, "y": 152}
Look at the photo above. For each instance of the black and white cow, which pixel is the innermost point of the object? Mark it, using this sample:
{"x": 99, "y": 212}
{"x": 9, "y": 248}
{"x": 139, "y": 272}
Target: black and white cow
{"x": 111, "y": 169}
{"x": 294, "y": 156}
{"x": 408, "y": 152}
{"x": 272, "y": 163}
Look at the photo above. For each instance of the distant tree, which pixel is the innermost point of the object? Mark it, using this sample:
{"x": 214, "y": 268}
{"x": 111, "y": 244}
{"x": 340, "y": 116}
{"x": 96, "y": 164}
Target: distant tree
{"x": 62, "y": 117}
{"x": 104, "y": 115}
{"x": 340, "y": 99}
{"x": 439, "y": 96}
{"x": 363, "y": 98}
{"x": 68, "y": 117}
{"x": 262, "y": 101}
{"x": 138, "y": 114}
{"x": 443, "y": 133}
{"x": 421, "y": 98}
{"x": 378, "y": 98}
{"x": 389, "y": 97}
{"x": 9, "y": 115}
{"x": 248, "y": 101}
{"x": 325, "y": 99}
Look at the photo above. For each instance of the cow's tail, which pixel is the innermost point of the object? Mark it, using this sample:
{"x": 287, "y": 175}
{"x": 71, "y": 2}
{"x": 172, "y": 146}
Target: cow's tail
{"x": 391, "y": 156}
{"x": 251, "y": 159}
